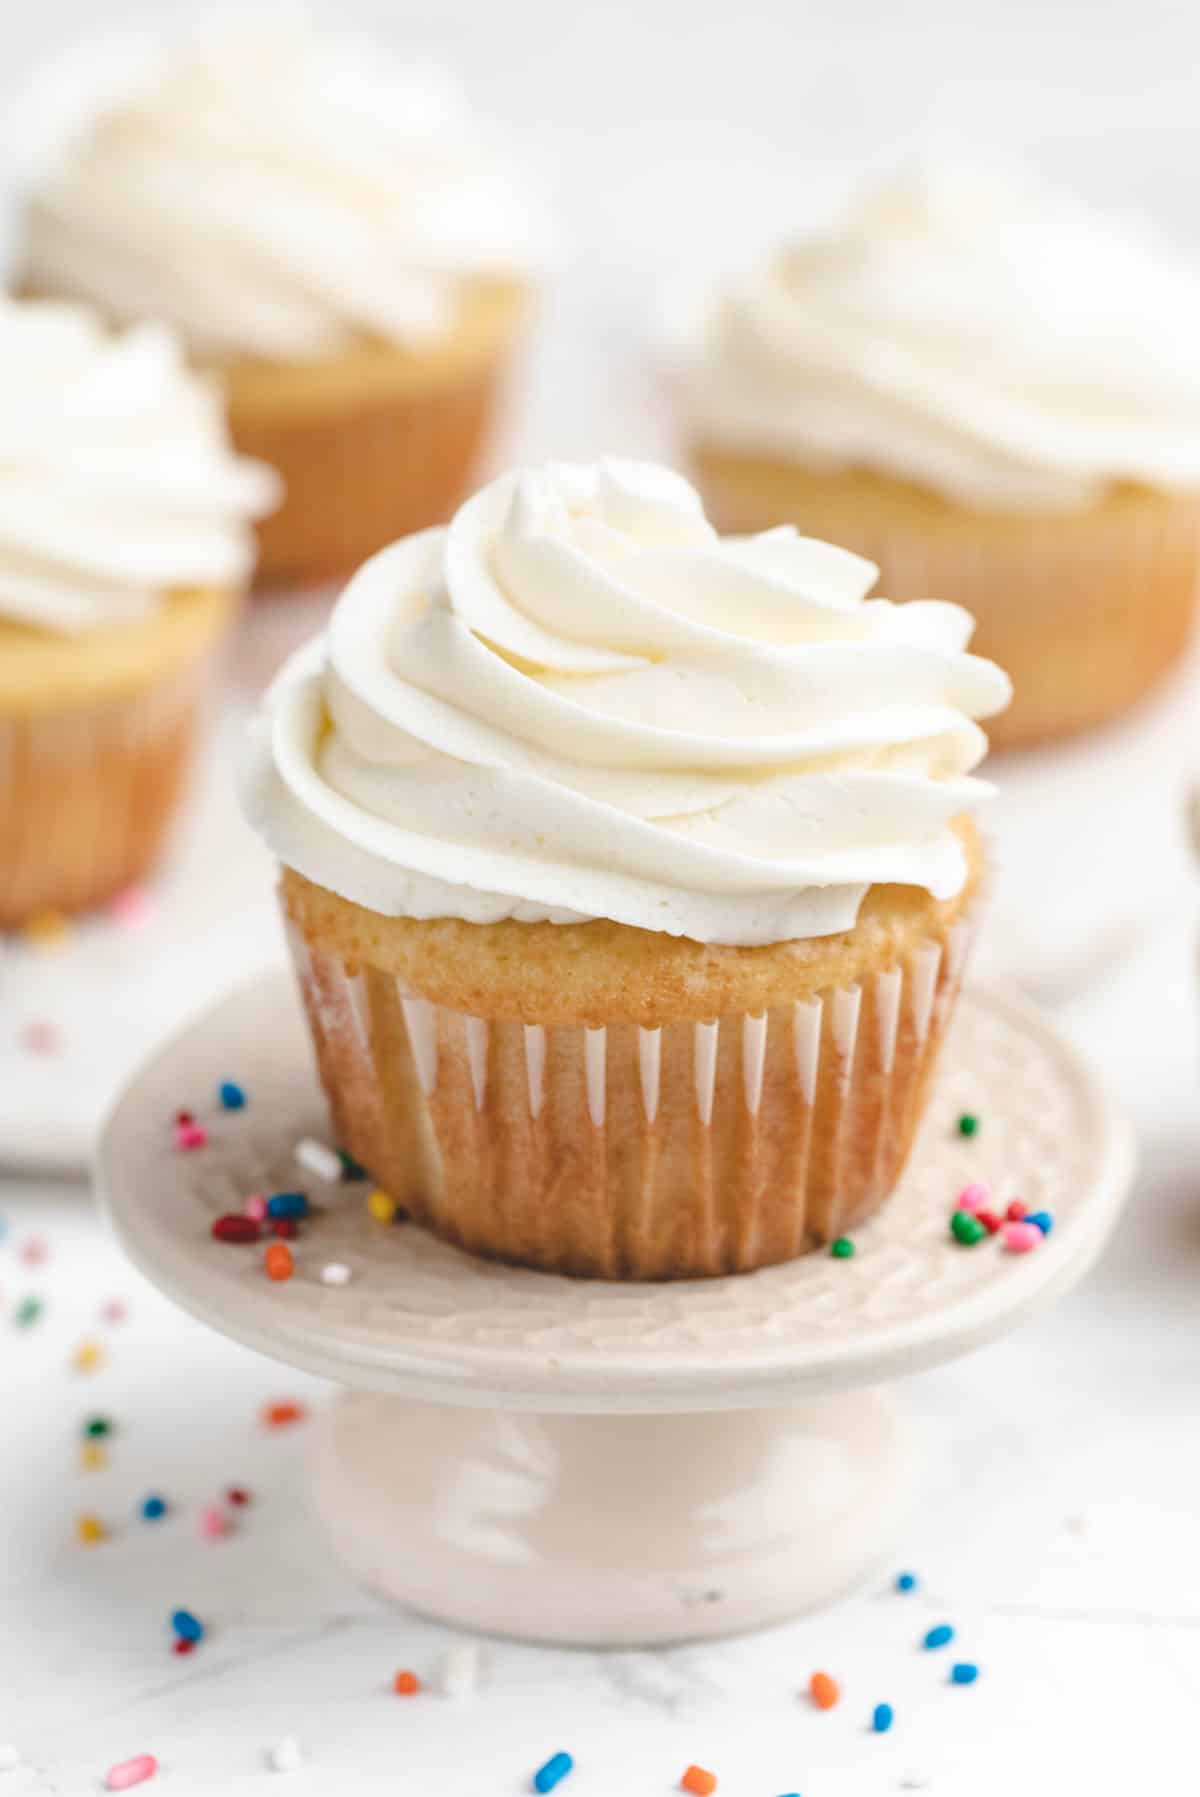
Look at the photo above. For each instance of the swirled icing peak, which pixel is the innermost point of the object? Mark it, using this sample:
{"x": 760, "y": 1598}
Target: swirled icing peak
{"x": 268, "y": 189}
{"x": 117, "y": 482}
{"x": 578, "y": 701}
{"x": 968, "y": 331}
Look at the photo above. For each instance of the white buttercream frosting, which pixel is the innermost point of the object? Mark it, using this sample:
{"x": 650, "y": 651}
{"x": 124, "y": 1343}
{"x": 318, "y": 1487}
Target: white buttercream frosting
{"x": 967, "y": 331}
{"x": 270, "y": 190}
{"x": 117, "y": 482}
{"x": 578, "y": 701}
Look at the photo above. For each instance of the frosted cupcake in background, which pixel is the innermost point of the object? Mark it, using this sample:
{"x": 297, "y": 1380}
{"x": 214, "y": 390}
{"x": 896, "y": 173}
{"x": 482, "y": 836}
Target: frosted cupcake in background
{"x": 322, "y": 224}
{"x": 995, "y": 396}
{"x": 628, "y": 873}
{"x": 125, "y": 541}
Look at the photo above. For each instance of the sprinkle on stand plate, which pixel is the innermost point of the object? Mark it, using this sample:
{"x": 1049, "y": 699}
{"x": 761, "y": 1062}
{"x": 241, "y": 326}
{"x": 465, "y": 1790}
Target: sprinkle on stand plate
{"x": 842, "y": 1248}
{"x": 963, "y": 1672}
{"x": 89, "y": 1530}
{"x": 97, "y": 1427}
{"x": 698, "y": 1781}
{"x": 187, "y": 1626}
{"x": 906, "y": 1581}
{"x": 823, "y": 1690}
{"x": 406, "y": 1684}
{"x": 190, "y": 1136}
{"x": 214, "y": 1525}
{"x": 968, "y": 1124}
{"x": 1041, "y": 1219}
{"x": 231, "y": 1096}
{"x": 87, "y": 1356}
{"x": 974, "y": 1197}
{"x": 336, "y": 1272}
{"x": 234, "y": 1227}
{"x": 351, "y": 1171}
{"x": 966, "y": 1229}
{"x": 552, "y": 1772}
{"x": 92, "y": 1457}
{"x": 315, "y": 1158}
{"x": 882, "y": 1717}
{"x": 381, "y": 1207}
{"x": 153, "y": 1507}
{"x": 939, "y": 1636}
{"x": 1015, "y": 1210}
{"x": 286, "y": 1228}
{"x": 127, "y": 1773}
{"x": 255, "y": 1207}
{"x": 27, "y": 1312}
{"x": 238, "y": 1496}
{"x": 133, "y": 909}
{"x": 278, "y": 1261}
{"x": 287, "y": 1204}
{"x": 459, "y": 1672}
{"x": 1022, "y": 1238}
{"x": 282, "y": 1411}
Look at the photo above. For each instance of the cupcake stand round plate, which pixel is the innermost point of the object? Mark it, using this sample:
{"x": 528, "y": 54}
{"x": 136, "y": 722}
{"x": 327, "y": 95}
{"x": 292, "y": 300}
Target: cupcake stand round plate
{"x": 570, "y": 1461}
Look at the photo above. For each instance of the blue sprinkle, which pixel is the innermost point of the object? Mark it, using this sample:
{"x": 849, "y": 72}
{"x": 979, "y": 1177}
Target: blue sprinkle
{"x": 553, "y": 1772}
{"x": 941, "y": 1636}
{"x": 187, "y": 1626}
{"x": 963, "y": 1673}
{"x": 882, "y": 1718}
{"x": 232, "y": 1096}
{"x": 1042, "y": 1219}
{"x": 287, "y": 1204}
{"x": 906, "y": 1581}
{"x": 153, "y": 1507}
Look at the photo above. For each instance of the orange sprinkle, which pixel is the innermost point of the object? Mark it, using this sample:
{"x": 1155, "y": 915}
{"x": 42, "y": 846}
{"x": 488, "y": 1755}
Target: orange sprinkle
{"x": 696, "y": 1779}
{"x": 282, "y": 1412}
{"x": 87, "y": 1357}
{"x": 824, "y": 1690}
{"x": 406, "y": 1684}
{"x": 92, "y": 1456}
{"x": 278, "y": 1261}
{"x": 89, "y": 1530}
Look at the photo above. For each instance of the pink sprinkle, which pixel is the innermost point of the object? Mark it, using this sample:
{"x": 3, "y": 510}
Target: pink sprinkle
{"x": 190, "y": 1135}
{"x": 214, "y": 1523}
{"x": 41, "y": 1037}
{"x": 113, "y": 1311}
{"x": 1020, "y": 1238}
{"x": 256, "y": 1207}
{"x": 34, "y": 1251}
{"x": 974, "y": 1197}
{"x": 133, "y": 909}
{"x": 131, "y": 1772}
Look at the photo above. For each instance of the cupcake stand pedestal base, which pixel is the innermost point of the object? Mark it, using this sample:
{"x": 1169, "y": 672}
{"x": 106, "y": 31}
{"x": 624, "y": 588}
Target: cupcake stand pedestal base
{"x": 568, "y": 1461}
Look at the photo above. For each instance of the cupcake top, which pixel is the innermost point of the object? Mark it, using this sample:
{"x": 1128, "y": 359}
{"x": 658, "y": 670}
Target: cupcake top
{"x": 117, "y": 483}
{"x": 577, "y": 701}
{"x": 966, "y": 331}
{"x": 269, "y": 191}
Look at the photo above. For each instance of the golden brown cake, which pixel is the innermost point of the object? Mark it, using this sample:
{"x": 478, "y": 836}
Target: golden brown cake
{"x": 626, "y": 874}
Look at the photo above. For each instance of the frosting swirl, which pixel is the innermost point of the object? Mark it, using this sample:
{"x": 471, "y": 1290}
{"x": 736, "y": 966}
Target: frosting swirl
{"x": 578, "y": 701}
{"x": 268, "y": 191}
{"x": 117, "y": 483}
{"x": 966, "y": 331}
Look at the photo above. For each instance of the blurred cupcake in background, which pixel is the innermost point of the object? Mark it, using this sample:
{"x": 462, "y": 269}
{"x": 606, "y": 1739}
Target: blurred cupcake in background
{"x": 323, "y": 225}
{"x": 995, "y": 396}
{"x": 125, "y": 542}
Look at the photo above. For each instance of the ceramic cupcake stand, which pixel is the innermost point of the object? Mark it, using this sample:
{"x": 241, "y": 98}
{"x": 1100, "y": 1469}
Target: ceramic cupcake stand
{"x": 567, "y": 1461}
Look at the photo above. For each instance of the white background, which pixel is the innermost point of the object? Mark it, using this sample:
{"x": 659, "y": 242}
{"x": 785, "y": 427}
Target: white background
{"x": 1058, "y": 1527}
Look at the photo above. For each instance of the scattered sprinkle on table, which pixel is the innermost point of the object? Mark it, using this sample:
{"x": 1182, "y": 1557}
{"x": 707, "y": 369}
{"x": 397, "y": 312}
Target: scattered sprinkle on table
{"x": 991, "y": 1222}
{"x": 231, "y": 1096}
{"x": 968, "y": 1125}
{"x": 112, "y": 1311}
{"x": 238, "y": 1496}
{"x": 335, "y": 1273}
{"x": 235, "y": 1228}
{"x": 278, "y": 1261}
{"x": 255, "y": 1207}
{"x": 553, "y": 1772}
{"x": 286, "y": 1228}
{"x": 882, "y": 1717}
{"x": 131, "y": 1772}
{"x": 153, "y": 1507}
{"x": 182, "y": 1646}
{"x": 381, "y": 1207}
{"x": 1015, "y": 1210}
{"x": 974, "y": 1196}
{"x": 287, "y": 1204}
{"x": 47, "y": 931}
{"x": 214, "y": 1524}
{"x": 823, "y": 1690}
{"x": 92, "y": 1457}
{"x": 189, "y": 1136}
{"x": 40, "y": 1036}
{"x": 34, "y": 1251}
{"x": 406, "y": 1684}
{"x": 133, "y": 909}
{"x": 314, "y": 1157}
{"x": 1041, "y": 1219}
{"x": 285, "y": 1756}
{"x": 27, "y": 1312}
{"x": 281, "y": 1412}
{"x": 351, "y": 1171}
{"x": 1021, "y": 1238}
{"x": 963, "y": 1672}
{"x": 89, "y": 1530}
{"x": 842, "y": 1248}
{"x": 906, "y": 1581}
{"x": 698, "y": 1781}
{"x": 97, "y": 1427}
{"x": 187, "y": 1626}
{"x": 460, "y": 1670}
{"x": 940, "y": 1636}
{"x": 966, "y": 1229}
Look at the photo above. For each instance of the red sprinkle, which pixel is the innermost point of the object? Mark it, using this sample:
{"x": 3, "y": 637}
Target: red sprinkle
{"x": 284, "y": 1226}
{"x": 182, "y": 1645}
{"x": 237, "y": 1494}
{"x": 284, "y": 1411}
{"x": 1016, "y": 1211}
{"x": 234, "y": 1228}
{"x": 183, "y": 1119}
{"x": 991, "y": 1222}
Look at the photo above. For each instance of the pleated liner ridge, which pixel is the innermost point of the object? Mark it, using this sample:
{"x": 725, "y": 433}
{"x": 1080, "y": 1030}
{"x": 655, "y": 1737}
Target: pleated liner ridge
{"x": 687, "y": 1151}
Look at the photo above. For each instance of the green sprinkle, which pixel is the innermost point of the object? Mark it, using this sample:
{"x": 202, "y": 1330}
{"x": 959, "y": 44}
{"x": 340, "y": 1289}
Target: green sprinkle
{"x": 968, "y": 1125}
{"x": 842, "y": 1248}
{"x": 27, "y": 1312}
{"x": 350, "y": 1167}
{"x": 966, "y": 1229}
{"x": 97, "y": 1427}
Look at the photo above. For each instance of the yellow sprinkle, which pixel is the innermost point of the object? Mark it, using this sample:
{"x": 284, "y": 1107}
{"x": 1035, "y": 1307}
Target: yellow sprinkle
{"x": 92, "y": 1456}
{"x": 89, "y": 1530}
{"x": 87, "y": 1357}
{"x": 47, "y": 930}
{"x": 381, "y": 1207}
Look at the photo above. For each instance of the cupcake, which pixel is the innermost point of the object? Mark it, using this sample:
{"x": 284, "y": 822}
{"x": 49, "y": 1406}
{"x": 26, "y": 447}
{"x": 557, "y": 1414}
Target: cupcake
{"x": 124, "y": 544}
{"x": 628, "y": 874}
{"x": 994, "y": 396}
{"x": 322, "y": 226}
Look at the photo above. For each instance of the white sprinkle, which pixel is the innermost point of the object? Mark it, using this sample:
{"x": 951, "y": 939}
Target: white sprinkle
{"x": 460, "y": 1670}
{"x": 9, "y": 1757}
{"x": 314, "y": 1157}
{"x": 336, "y": 1273}
{"x": 285, "y": 1756}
